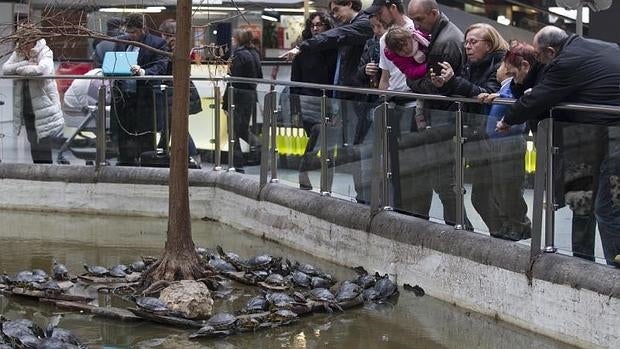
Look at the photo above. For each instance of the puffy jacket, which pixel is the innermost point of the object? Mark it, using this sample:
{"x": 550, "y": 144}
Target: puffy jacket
{"x": 49, "y": 120}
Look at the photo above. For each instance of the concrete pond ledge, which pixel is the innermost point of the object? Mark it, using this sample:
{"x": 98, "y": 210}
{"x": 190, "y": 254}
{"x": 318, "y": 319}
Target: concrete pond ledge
{"x": 571, "y": 300}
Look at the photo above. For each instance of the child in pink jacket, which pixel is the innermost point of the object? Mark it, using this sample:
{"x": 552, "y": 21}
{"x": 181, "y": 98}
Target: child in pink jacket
{"x": 406, "y": 50}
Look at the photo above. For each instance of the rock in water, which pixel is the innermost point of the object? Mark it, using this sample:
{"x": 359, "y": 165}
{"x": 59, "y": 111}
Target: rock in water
{"x": 189, "y": 298}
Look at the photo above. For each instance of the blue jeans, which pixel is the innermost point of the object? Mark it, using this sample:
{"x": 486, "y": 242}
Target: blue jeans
{"x": 607, "y": 207}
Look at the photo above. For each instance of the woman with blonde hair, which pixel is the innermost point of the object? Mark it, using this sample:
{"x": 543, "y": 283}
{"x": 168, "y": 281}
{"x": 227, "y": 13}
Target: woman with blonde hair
{"x": 485, "y": 49}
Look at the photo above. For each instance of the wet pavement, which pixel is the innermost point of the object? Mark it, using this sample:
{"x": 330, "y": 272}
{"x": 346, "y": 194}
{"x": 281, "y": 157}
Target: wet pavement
{"x": 33, "y": 239}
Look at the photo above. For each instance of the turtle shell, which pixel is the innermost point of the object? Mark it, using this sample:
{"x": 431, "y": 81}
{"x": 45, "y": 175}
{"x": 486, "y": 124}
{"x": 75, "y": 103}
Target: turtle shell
{"x": 152, "y": 304}
{"x": 280, "y": 300}
{"x": 222, "y": 321}
{"x": 301, "y": 279}
{"x": 322, "y": 295}
{"x": 96, "y": 270}
{"x": 60, "y": 272}
{"x": 221, "y": 265}
{"x": 119, "y": 271}
{"x": 138, "y": 266}
{"x": 385, "y": 288}
{"x": 256, "y": 304}
{"x": 348, "y": 291}
{"x": 275, "y": 280}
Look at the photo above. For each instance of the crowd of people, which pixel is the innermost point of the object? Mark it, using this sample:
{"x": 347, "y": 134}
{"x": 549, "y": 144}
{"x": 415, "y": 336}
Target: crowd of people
{"x": 417, "y": 49}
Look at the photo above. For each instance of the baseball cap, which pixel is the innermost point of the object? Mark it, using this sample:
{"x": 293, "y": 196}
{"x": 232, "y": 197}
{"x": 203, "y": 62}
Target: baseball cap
{"x": 378, "y": 4}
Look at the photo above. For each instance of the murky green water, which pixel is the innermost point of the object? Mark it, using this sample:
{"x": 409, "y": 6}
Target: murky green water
{"x": 32, "y": 240}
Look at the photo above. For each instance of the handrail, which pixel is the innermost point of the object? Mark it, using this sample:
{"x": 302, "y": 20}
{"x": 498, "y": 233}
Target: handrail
{"x": 602, "y": 108}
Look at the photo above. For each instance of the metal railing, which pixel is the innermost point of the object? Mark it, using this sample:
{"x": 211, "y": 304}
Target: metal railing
{"x": 380, "y": 198}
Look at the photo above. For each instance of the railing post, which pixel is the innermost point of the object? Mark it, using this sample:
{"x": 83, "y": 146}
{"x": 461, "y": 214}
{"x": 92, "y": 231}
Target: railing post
{"x": 549, "y": 197}
{"x": 539, "y": 187}
{"x": 265, "y": 156}
{"x": 217, "y": 140}
{"x": 166, "y": 133}
{"x": 273, "y": 121}
{"x": 459, "y": 164}
{"x": 231, "y": 130}
{"x": 325, "y": 190}
{"x": 386, "y": 168}
{"x": 100, "y": 155}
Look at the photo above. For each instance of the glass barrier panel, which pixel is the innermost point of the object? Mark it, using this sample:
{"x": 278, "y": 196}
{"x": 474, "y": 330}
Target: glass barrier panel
{"x": 246, "y": 133}
{"x": 423, "y": 164}
{"x": 202, "y": 125}
{"x": 350, "y": 147}
{"x": 498, "y": 180}
{"x": 298, "y": 123}
{"x": 585, "y": 176}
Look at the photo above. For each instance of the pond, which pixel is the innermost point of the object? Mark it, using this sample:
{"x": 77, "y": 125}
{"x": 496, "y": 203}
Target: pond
{"x": 34, "y": 239}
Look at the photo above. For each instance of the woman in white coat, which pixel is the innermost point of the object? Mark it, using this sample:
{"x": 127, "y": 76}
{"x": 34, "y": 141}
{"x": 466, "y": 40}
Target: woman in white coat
{"x": 36, "y": 102}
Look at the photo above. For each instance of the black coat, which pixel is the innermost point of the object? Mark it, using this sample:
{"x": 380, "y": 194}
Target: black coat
{"x": 584, "y": 71}
{"x": 370, "y": 54}
{"x": 349, "y": 39}
{"x": 476, "y": 78}
{"x": 313, "y": 67}
{"x": 245, "y": 64}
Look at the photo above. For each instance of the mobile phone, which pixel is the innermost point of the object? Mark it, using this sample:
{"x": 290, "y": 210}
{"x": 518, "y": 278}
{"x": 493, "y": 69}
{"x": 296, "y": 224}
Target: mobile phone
{"x": 435, "y": 67}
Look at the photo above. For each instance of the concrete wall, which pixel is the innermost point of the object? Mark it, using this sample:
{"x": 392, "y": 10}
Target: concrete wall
{"x": 565, "y": 298}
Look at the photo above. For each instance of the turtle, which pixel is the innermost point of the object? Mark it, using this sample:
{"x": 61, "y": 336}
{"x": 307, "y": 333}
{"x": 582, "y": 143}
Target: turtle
{"x": 137, "y": 266}
{"x": 4, "y": 279}
{"x": 40, "y": 272}
{"x": 119, "y": 271}
{"x": 55, "y": 343}
{"x": 283, "y": 317}
{"x": 256, "y": 305}
{"x": 66, "y": 337}
{"x": 209, "y": 331}
{"x": 22, "y": 333}
{"x": 261, "y": 262}
{"x": 59, "y": 271}
{"x": 325, "y": 298}
{"x": 222, "y": 323}
{"x": 27, "y": 277}
{"x": 230, "y": 257}
{"x": 319, "y": 282}
{"x": 275, "y": 279}
{"x": 385, "y": 288}
{"x": 366, "y": 281}
{"x": 152, "y": 304}
{"x": 280, "y": 300}
{"x": 221, "y": 265}
{"x": 51, "y": 287}
{"x": 301, "y": 279}
{"x": 96, "y": 270}
{"x": 348, "y": 291}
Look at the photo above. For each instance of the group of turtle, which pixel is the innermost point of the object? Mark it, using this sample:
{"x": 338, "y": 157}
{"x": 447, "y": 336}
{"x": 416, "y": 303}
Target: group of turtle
{"x": 38, "y": 279}
{"x": 23, "y": 333}
{"x": 289, "y": 290}
{"x": 117, "y": 271}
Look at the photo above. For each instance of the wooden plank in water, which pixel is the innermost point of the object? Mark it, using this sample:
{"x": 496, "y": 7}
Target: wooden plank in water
{"x": 239, "y": 276}
{"x": 106, "y": 312}
{"x": 101, "y": 280}
{"x": 41, "y": 294}
{"x": 167, "y": 320}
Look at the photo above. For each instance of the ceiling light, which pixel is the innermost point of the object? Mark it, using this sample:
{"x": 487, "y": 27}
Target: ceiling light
{"x": 130, "y": 10}
{"x": 209, "y": 8}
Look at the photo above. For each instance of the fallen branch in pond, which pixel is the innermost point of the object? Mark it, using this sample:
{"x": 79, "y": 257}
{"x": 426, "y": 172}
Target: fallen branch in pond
{"x": 105, "y": 312}
{"x": 20, "y": 292}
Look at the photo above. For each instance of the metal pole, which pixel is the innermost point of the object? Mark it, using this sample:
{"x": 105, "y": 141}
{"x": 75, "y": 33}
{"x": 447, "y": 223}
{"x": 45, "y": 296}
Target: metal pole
{"x": 265, "y": 156}
{"x": 217, "y": 140}
{"x": 100, "y": 156}
{"x": 273, "y": 120}
{"x": 166, "y": 135}
{"x": 231, "y": 131}
{"x": 376, "y": 188}
{"x": 386, "y": 172}
{"x": 325, "y": 190}
{"x": 579, "y": 20}
{"x": 539, "y": 187}
{"x": 155, "y": 116}
{"x": 459, "y": 187}
{"x": 549, "y": 199}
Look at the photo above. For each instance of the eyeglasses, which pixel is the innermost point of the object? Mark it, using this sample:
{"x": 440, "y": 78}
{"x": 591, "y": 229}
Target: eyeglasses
{"x": 473, "y": 42}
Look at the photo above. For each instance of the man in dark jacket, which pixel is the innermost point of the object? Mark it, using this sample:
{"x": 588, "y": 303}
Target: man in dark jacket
{"x": 579, "y": 70}
{"x": 446, "y": 45}
{"x": 133, "y": 99}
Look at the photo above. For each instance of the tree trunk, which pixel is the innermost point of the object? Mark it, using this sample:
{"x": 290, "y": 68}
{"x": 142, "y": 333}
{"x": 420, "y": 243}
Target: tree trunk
{"x": 179, "y": 260}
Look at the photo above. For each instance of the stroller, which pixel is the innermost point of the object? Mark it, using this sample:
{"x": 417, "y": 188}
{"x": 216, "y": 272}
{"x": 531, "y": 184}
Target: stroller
{"x": 81, "y": 110}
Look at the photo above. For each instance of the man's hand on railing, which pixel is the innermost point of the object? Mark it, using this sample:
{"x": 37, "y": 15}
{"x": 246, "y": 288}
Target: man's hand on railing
{"x": 487, "y": 98}
{"x": 502, "y": 127}
{"x": 290, "y": 54}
